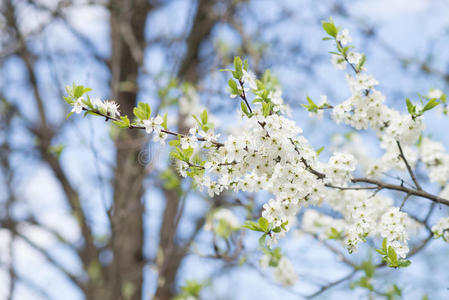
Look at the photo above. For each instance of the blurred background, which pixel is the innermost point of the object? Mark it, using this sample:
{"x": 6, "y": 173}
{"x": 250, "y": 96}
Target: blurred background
{"x": 88, "y": 211}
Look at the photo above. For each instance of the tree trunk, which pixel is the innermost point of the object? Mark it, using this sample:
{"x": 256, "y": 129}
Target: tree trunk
{"x": 126, "y": 276}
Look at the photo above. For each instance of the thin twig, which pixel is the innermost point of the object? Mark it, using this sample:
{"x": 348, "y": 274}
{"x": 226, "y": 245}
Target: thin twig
{"x": 410, "y": 171}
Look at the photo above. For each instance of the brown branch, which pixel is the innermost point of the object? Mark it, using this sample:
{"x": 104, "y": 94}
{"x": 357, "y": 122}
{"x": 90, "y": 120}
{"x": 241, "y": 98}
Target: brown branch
{"x": 177, "y": 134}
{"x": 410, "y": 171}
{"x": 394, "y": 187}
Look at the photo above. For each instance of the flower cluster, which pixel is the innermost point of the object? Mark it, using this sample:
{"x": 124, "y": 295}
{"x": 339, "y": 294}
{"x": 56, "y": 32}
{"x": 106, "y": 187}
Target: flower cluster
{"x": 393, "y": 228}
{"x": 321, "y": 225}
{"x": 222, "y": 222}
{"x": 365, "y": 108}
{"x": 272, "y": 155}
{"x": 284, "y": 272}
{"x": 441, "y": 229}
{"x": 436, "y": 160}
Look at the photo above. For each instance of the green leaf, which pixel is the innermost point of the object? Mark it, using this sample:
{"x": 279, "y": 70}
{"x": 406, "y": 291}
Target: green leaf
{"x": 403, "y": 263}
{"x": 361, "y": 63}
{"x": 69, "y": 90}
{"x": 431, "y": 104}
{"x": 244, "y": 108}
{"x": 69, "y": 114}
{"x": 263, "y": 224}
{"x": 410, "y": 107}
{"x": 123, "y": 123}
{"x": 392, "y": 256}
{"x": 197, "y": 120}
{"x": 266, "y": 109}
{"x": 204, "y": 117}
{"x": 238, "y": 65}
{"x": 69, "y": 100}
{"x": 142, "y": 111}
{"x": 283, "y": 225}
{"x": 174, "y": 143}
{"x": 233, "y": 87}
{"x": 330, "y": 28}
{"x": 381, "y": 252}
{"x": 78, "y": 91}
{"x": 277, "y": 229}
{"x": 312, "y": 107}
{"x": 164, "y": 122}
{"x": 245, "y": 65}
{"x": 319, "y": 150}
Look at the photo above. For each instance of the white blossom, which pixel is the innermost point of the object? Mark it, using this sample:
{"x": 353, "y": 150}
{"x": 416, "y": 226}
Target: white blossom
{"x": 343, "y": 37}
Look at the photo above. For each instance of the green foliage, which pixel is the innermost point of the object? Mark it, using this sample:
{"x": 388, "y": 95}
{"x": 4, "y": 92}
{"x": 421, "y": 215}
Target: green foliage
{"x": 164, "y": 122}
{"x": 392, "y": 292}
{"x": 415, "y": 112}
{"x": 334, "y": 234}
{"x": 330, "y": 27}
{"x": 170, "y": 180}
{"x": 361, "y": 63}
{"x": 73, "y": 93}
{"x": 203, "y": 121}
{"x": 245, "y": 109}
{"x": 390, "y": 256}
{"x": 128, "y": 289}
{"x": 275, "y": 256}
{"x": 262, "y": 225}
{"x": 191, "y": 289}
{"x": 233, "y": 88}
{"x": 313, "y": 107}
{"x": 123, "y": 123}
{"x": 238, "y": 68}
{"x": 94, "y": 270}
{"x": 251, "y": 225}
{"x": 266, "y": 108}
{"x": 142, "y": 111}
{"x": 363, "y": 282}
{"x": 56, "y": 149}
{"x": 167, "y": 93}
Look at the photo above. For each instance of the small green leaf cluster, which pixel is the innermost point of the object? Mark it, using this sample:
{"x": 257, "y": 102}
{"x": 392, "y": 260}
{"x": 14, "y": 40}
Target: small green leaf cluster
{"x": 392, "y": 292}
{"x": 168, "y": 94}
{"x": 224, "y": 229}
{"x": 390, "y": 256}
{"x": 275, "y": 256}
{"x": 365, "y": 281}
{"x": 332, "y": 30}
{"x": 202, "y": 121}
{"x": 334, "y": 234}
{"x": 313, "y": 107}
{"x": 123, "y": 123}
{"x": 262, "y": 225}
{"x": 142, "y": 111}
{"x": 191, "y": 289}
{"x": 415, "y": 112}
{"x": 74, "y": 92}
{"x": 237, "y": 74}
{"x": 186, "y": 155}
{"x": 170, "y": 180}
